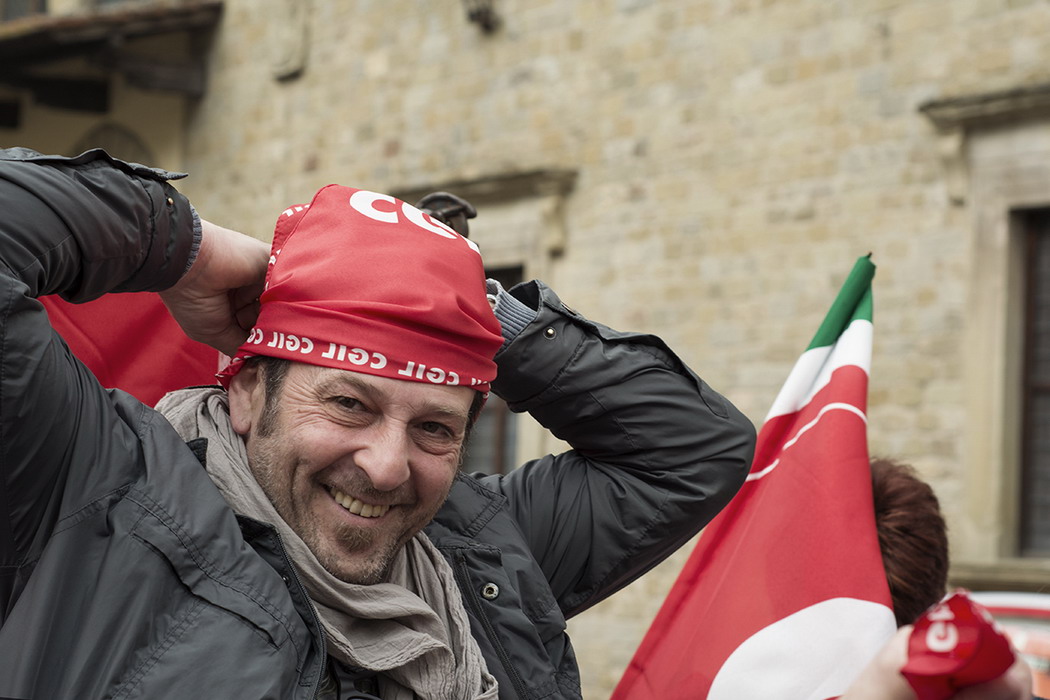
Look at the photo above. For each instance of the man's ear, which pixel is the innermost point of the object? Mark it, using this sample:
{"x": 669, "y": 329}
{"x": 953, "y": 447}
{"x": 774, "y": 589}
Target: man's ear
{"x": 247, "y": 398}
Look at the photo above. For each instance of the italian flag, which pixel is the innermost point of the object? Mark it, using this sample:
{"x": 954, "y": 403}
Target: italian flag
{"x": 785, "y": 596}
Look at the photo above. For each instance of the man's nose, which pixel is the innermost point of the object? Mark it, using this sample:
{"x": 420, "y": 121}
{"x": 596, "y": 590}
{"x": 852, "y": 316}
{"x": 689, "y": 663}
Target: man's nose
{"x": 384, "y": 458}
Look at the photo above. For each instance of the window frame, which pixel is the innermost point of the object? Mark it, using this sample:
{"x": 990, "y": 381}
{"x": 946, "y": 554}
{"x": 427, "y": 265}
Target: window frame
{"x": 1035, "y": 233}
{"x": 502, "y": 439}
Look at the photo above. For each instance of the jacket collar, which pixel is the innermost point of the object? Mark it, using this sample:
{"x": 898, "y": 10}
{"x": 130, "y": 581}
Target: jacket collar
{"x": 469, "y": 507}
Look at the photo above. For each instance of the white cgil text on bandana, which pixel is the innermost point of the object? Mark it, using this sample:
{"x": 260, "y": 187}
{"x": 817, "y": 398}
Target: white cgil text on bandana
{"x": 338, "y": 355}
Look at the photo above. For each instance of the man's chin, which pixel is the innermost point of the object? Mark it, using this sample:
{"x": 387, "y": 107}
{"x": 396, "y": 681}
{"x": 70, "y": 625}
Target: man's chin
{"x": 362, "y": 568}
{"x": 361, "y": 556}
{"x": 364, "y": 575}
{"x": 367, "y": 578}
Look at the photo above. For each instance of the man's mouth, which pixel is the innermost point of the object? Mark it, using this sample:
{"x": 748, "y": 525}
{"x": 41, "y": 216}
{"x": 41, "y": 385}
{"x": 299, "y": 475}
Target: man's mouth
{"x": 365, "y": 510}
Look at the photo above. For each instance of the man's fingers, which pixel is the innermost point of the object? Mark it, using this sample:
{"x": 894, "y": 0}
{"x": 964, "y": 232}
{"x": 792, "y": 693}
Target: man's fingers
{"x": 216, "y": 301}
{"x": 247, "y": 314}
{"x": 1015, "y": 684}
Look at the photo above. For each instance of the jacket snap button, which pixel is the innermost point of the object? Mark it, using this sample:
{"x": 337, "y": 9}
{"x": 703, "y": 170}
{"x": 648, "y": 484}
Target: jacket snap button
{"x": 489, "y": 591}
{"x": 550, "y": 333}
{"x": 171, "y": 202}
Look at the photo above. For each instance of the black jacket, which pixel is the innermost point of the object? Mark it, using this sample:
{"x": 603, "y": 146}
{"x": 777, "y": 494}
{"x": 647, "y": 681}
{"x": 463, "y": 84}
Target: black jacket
{"x": 124, "y": 574}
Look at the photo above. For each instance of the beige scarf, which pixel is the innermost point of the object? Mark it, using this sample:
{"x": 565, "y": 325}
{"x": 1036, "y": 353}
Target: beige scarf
{"x": 412, "y": 630}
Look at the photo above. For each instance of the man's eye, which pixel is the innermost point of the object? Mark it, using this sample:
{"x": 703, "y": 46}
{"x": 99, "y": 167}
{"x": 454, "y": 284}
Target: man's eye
{"x": 348, "y": 402}
{"x": 435, "y": 428}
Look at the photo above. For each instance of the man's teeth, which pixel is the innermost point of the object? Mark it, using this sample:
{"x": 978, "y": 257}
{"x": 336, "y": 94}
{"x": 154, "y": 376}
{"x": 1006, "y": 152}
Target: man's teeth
{"x": 357, "y": 507}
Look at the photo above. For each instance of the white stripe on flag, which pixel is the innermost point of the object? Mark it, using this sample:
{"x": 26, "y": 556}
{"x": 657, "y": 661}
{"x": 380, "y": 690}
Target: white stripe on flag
{"x": 814, "y": 368}
{"x": 830, "y": 407}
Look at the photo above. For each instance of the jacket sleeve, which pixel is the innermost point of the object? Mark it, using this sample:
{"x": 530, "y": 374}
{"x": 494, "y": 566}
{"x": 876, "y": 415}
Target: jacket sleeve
{"x": 656, "y": 453}
{"x": 78, "y": 227}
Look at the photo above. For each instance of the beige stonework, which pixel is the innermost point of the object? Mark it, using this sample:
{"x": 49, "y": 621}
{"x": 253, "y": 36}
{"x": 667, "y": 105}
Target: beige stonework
{"x": 731, "y": 160}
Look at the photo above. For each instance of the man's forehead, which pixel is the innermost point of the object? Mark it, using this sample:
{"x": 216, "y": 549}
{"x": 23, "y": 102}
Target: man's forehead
{"x": 454, "y": 400}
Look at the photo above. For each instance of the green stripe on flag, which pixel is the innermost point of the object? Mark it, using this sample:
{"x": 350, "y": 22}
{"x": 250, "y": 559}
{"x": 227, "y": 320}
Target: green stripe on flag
{"x": 853, "y": 302}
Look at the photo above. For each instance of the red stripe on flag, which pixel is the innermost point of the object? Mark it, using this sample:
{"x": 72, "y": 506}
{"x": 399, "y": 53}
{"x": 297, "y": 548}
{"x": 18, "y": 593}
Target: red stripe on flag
{"x": 849, "y": 385}
{"x": 802, "y": 534}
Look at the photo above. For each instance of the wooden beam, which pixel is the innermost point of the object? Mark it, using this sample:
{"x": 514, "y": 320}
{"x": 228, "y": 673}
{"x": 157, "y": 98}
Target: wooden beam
{"x": 42, "y": 39}
{"x": 79, "y": 94}
{"x": 186, "y": 78}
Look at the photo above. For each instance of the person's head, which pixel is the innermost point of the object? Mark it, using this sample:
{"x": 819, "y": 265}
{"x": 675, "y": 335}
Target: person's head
{"x": 362, "y": 377}
{"x": 913, "y": 538}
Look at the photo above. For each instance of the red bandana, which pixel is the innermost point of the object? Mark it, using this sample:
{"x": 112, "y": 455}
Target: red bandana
{"x": 953, "y": 645}
{"x": 365, "y": 282}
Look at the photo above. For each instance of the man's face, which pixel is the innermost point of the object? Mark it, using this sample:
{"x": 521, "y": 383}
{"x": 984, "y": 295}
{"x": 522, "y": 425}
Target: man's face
{"x": 355, "y": 464}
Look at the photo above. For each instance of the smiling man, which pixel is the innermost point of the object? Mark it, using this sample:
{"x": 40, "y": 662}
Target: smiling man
{"x": 354, "y": 431}
{"x": 355, "y": 465}
{"x": 302, "y": 530}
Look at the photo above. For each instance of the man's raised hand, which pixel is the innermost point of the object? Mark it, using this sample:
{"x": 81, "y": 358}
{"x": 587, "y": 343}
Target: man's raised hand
{"x": 217, "y": 301}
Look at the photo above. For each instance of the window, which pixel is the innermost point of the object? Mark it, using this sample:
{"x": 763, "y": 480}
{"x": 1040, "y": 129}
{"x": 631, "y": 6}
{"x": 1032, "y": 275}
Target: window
{"x": 995, "y": 147}
{"x": 493, "y": 443}
{"x": 1035, "y": 439}
{"x": 13, "y": 9}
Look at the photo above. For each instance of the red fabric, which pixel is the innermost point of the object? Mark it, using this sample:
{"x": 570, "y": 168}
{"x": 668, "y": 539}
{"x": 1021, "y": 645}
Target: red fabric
{"x": 131, "y": 342}
{"x": 365, "y": 282}
{"x": 795, "y": 554}
{"x": 953, "y": 645}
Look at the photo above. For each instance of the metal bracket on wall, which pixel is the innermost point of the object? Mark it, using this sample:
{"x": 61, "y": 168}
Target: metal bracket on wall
{"x": 289, "y": 37}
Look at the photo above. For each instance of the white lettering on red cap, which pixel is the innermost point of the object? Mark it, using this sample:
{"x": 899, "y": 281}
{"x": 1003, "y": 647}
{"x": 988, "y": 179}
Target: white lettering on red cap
{"x": 365, "y": 203}
{"x": 283, "y": 341}
{"x": 358, "y": 356}
{"x": 429, "y": 223}
{"x": 942, "y": 635}
{"x": 354, "y": 356}
{"x": 291, "y": 211}
{"x": 417, "y": 217}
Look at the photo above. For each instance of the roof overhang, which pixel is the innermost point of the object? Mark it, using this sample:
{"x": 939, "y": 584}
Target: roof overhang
{"x": 31, "y": 46}
{"x": 45, "y": 38}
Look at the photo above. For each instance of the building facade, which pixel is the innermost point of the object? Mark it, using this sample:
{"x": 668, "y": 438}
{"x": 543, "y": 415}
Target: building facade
{"x": 706, "y": 170}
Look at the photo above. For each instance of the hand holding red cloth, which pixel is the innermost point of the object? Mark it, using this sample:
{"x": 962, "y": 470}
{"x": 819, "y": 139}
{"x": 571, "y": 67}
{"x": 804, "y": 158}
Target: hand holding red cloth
{"x": 953, "y": 645}
{"x": 953, "y": 651}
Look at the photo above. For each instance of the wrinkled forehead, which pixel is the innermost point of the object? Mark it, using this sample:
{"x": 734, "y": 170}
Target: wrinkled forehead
{"x": 327, "y": 383}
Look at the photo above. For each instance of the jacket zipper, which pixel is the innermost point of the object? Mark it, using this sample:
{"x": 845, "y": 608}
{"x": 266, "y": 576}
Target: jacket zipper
{"x": 462, "y": 578}
{"x": 313, "y": 613}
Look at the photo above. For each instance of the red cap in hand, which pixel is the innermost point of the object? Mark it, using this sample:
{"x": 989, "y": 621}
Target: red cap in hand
{"x": 953, "y": 645}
